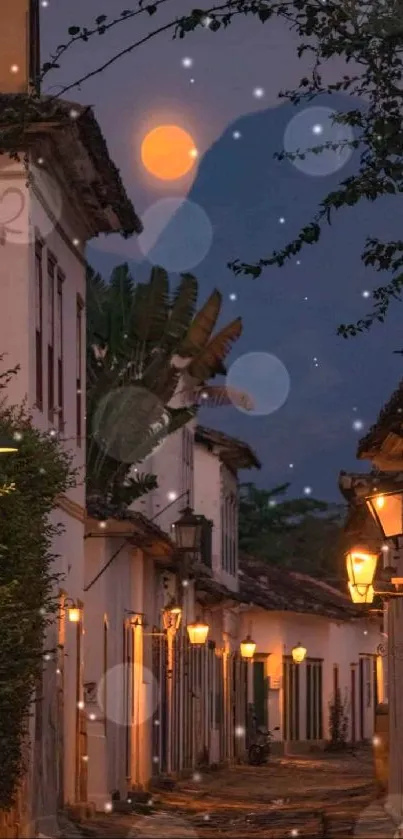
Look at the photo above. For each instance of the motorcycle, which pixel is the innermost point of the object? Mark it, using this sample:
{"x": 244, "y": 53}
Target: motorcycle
{"x": 259, "y": 751}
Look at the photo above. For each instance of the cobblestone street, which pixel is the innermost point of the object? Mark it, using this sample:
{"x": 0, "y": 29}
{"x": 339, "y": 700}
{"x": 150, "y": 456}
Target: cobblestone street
{"x": 301, "y": 797}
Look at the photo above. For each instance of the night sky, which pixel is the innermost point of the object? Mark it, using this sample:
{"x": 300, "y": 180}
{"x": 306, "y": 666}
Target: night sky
{"x": 320, "y": 393}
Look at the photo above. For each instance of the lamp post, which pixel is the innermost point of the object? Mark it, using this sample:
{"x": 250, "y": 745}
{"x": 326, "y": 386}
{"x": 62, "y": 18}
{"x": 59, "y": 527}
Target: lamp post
{"x": 171, "y": 617}
{"x": 247, "y": 648}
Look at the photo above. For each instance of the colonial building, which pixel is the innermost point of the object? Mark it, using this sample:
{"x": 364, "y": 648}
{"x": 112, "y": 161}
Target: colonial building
{"x": 155, "y": 703}
{"x": 383, "y": 447}
{"x": 61, "y": 191}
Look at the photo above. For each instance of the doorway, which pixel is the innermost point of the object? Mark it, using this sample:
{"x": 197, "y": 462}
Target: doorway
{"x": 291, "y": 707}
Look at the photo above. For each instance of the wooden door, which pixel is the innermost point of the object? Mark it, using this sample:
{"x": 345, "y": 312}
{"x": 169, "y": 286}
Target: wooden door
{"x": 260, "y": 693}
{"x": 290, "y": 699}
{"x": 314, "y": 699}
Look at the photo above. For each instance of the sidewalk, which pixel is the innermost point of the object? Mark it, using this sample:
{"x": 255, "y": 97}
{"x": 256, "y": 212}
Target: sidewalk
{"x": 290, "y": 797}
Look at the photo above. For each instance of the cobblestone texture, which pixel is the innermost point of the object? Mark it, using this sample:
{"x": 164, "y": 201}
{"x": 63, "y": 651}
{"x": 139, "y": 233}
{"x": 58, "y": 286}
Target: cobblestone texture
{"x": 303, "y": 797}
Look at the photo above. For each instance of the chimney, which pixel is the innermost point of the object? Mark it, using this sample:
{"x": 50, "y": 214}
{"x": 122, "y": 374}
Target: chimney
{"x": 19, "y": 46}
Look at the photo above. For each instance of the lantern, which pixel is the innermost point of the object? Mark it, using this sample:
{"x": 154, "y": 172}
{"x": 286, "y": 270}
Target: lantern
{"x": 298, "y": 653}
{"x": 172, "y": 616}
{"x": 198, "y": 632}
{"x": 188, "y": 531}
{"x": 247, "y": 647}
{"x": 361, "y": 566}
{"x": 74, "y": 614}
{"x": 387, "y": 510}
{"x": 7, "y": 445}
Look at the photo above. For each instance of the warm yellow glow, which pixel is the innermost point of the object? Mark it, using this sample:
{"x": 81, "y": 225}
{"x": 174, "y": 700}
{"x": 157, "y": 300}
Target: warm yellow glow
{"x": 361, "y": 594}
{"x": 168, "y": 152}
{"x": 74, "y": 614}
{"x": 298, "y": 654}
{"x": 387, "y": 510}
{"x": 247, "y": 648}
{"x": 198, "y": 632}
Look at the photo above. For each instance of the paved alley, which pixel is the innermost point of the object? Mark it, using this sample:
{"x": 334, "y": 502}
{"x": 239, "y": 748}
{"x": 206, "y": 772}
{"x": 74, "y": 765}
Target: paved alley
{"x": 290, "y": 797}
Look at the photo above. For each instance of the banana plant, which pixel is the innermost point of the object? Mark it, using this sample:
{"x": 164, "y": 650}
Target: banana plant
{"x": 145, "y": 346}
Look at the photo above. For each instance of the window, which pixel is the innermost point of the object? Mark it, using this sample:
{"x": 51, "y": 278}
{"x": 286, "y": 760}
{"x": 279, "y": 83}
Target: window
{"x": 38, "y": 325}
{"x": 79, "y": 367}
{"x": 229, "y": 533}
{"x": 60, "y": 354}
{"x": 51, "y": 337}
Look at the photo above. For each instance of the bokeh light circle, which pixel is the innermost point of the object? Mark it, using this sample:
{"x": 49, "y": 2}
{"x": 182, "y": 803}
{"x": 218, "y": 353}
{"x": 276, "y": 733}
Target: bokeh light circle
{"x": 177, "y": 234}
{"x": 22, "y": 214}
{"x": 167, "y": 152}
{"x": 314, "y": 127}
{"x": 264, "y": 378}
{"x": 110, "y": 699}
{"x": 160, "y": 825}
{"x": 129, "y": 423}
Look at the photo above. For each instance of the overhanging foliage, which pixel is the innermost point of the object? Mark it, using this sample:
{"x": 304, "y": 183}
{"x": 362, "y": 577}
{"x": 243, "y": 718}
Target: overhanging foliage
{"x": 40, "y": 471}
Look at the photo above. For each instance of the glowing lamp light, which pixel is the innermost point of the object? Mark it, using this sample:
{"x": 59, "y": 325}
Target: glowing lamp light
{"x": 198, "y": 632}
{"x": 7, "y": 445}
{"x": 298, "y": 653}
{"x": 361, "y": 566}
{"x": 247, "y": 647}
{"x": 387, "y": 510}
{"x": 74, "y": 613}
{"x": 172, "y": 616}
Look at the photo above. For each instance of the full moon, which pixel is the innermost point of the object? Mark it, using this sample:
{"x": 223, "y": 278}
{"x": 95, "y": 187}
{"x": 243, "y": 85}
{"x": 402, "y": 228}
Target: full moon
{"x": 168, "y": 152}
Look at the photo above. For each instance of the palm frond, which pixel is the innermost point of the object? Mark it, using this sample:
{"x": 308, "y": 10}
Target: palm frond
{"x": 202, "y": 326}
{"x": 218, "y": 396}
{"x": 151, "y": 308}
{"x": 205, "y": 363}
{"x": 181, "y": 314}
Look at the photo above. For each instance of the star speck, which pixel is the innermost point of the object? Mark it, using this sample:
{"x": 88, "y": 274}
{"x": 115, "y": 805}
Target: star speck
{"x": 291, "y": 466}
{"x": 317, "y": 128}
{"x": 258, "y": 92}
{"x": 207, "y": 21}
{"x": 232, "y": 297}
{"x": 236, "y": 135}
{"x": 298, "y": 262}
{"x": 366, "y": 293}
{"x": 305, "y": 298}
{"x": 187, "y": 62}
{"x": 307, "y": 490}
{"x": 281, "y": 220}
{"x": 358, "y": 425}
{"x": 192, "y": 81}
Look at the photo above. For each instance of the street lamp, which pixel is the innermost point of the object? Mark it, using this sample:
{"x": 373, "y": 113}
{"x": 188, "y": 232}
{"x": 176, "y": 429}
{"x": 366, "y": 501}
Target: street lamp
{"x": 361, "y": 566}
{"x": 188, "y": 531}
{"x": 74, "y": 611}
{"x": 198, "y": 632}
{"x": 298, "y": 653}
{"x": 7, "y": 445}
{"x": 171, "y": 616}
{"x": 387, "y": 510}
{"x": 247, "y": 648}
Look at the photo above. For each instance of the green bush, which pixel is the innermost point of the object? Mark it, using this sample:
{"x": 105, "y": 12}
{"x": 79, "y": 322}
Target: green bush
{"x": 30, "y": 480}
